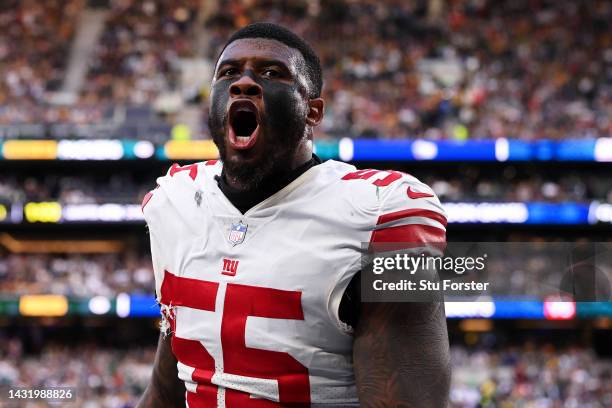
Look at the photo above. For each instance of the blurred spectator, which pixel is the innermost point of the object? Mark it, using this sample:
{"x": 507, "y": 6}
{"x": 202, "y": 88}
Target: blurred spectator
{"x": 78, "y": 275}
{"x": 118, "y": 188}
{"x": 479, "y": 184}
{"x": 530, "y": 377}
{"x": 34, "y": 48}
{"x": 138, "y": 54}
{"x": 102, "y": 378}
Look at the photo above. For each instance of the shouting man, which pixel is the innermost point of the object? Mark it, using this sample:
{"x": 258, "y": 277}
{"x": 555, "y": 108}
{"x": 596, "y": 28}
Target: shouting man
{"x": 257, "y": 256}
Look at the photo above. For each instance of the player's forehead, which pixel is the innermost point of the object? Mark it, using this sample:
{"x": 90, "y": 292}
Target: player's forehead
{"x": 261, "y": 49}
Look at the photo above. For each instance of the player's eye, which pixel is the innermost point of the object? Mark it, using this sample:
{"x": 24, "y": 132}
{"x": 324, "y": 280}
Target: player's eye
{"x": 270, "y": 73}
{"x": 227, "y": 72}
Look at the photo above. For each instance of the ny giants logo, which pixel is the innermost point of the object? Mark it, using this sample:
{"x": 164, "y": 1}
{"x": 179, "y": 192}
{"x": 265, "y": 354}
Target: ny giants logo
{"x": 230, "y": 267}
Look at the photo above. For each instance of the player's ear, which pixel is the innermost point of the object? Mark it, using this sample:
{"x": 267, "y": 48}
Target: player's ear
{"x": 315, "y": 111}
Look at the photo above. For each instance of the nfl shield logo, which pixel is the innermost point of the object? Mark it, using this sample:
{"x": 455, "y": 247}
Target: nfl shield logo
{"x": 237, "y": 233}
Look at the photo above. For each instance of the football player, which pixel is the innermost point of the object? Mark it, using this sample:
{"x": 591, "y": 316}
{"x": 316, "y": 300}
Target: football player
{"x": 257, "y": 255}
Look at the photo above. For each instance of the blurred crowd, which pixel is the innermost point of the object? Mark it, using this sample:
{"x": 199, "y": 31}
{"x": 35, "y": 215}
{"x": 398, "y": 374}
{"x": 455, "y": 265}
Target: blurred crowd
{"x": 530, "y": 377}
{"x": 118, "y": 188}
{"x": 76, "y": 275}
{"x": 135, "y": 59}
{"x": 474, "y": 184}
{"x": 393, "y": 69}
{"x": 139, "y": 51}
{"x": 34, "y": 48}
{"x": 460, "y": 69}
{"x": 102, "y": 378}
{"x": 469, "y": 183}
{"x": 510, "y": 377}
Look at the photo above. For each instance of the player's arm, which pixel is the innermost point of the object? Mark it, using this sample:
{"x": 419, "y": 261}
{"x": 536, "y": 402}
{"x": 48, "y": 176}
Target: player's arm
{"x": 401, "y": 352}
{"x": 165, "y": 389}
{"x": 401, "y": 355}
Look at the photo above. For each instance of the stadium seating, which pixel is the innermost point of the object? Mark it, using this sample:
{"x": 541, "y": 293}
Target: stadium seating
{"x": 407, "y": 69}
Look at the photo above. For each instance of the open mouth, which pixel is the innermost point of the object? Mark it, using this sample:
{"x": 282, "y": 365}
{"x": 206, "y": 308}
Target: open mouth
{"x": 243, "y": 124}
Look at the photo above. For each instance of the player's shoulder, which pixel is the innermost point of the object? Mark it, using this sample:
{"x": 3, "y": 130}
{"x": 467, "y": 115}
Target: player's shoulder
{"x": 190, "y": 174}
{"x": 405, "y": 210}
{"x": 407, "y": 192}
{"x": 381, "y": 190}
{"x": 178, "y": 184}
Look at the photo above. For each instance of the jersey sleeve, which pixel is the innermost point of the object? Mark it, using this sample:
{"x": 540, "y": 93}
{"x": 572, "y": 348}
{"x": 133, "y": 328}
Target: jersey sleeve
{"x": 410, "y": 215}
{"x": 405, "y": 216}
{"x": 154, "y": 206}
{"x": 171, "y": 211}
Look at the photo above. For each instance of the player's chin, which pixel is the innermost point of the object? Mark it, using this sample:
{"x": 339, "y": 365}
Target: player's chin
{"x": 251, "y": 157}
{"x": 247, "y": 166}
{"x": 242, "y": 158}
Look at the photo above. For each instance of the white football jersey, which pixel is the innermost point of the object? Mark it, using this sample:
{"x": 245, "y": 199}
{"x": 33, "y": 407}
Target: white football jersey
{"x": 252, "y": 299}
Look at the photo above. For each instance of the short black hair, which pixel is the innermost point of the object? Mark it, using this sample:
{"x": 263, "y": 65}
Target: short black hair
{"x": 290, "y": 39}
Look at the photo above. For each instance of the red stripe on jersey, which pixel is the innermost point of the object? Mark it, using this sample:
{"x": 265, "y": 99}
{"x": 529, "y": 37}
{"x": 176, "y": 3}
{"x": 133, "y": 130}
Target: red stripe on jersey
{"x": 210, "y": 162}
{"x": 147, "y": 197}
{"x": 408, "y": 236}
{"x": 194, "y": 293}
{"x": 145, "y": 200}
{"x": 413, "y": 212}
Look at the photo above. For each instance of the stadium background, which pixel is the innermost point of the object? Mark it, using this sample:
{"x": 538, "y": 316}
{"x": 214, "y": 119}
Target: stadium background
{"x": 503, "y": 107}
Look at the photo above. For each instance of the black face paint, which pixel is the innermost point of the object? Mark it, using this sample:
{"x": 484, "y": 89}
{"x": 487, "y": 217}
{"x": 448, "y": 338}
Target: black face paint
{"x": 282, "y": 124}
{"x": 217, "y": 117}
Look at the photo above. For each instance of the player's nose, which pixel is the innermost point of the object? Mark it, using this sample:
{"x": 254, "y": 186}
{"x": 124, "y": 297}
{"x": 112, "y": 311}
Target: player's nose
{"x": 245, "y": 86}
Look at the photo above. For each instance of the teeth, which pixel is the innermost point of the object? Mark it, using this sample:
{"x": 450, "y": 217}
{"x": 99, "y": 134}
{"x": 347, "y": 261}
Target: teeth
{"x": 243, "y": 138}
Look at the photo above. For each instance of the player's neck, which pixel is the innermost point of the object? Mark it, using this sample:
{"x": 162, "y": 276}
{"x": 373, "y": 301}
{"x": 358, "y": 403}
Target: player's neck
{"x": 245, "y": 199}
{"x": 300, "y": 158}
